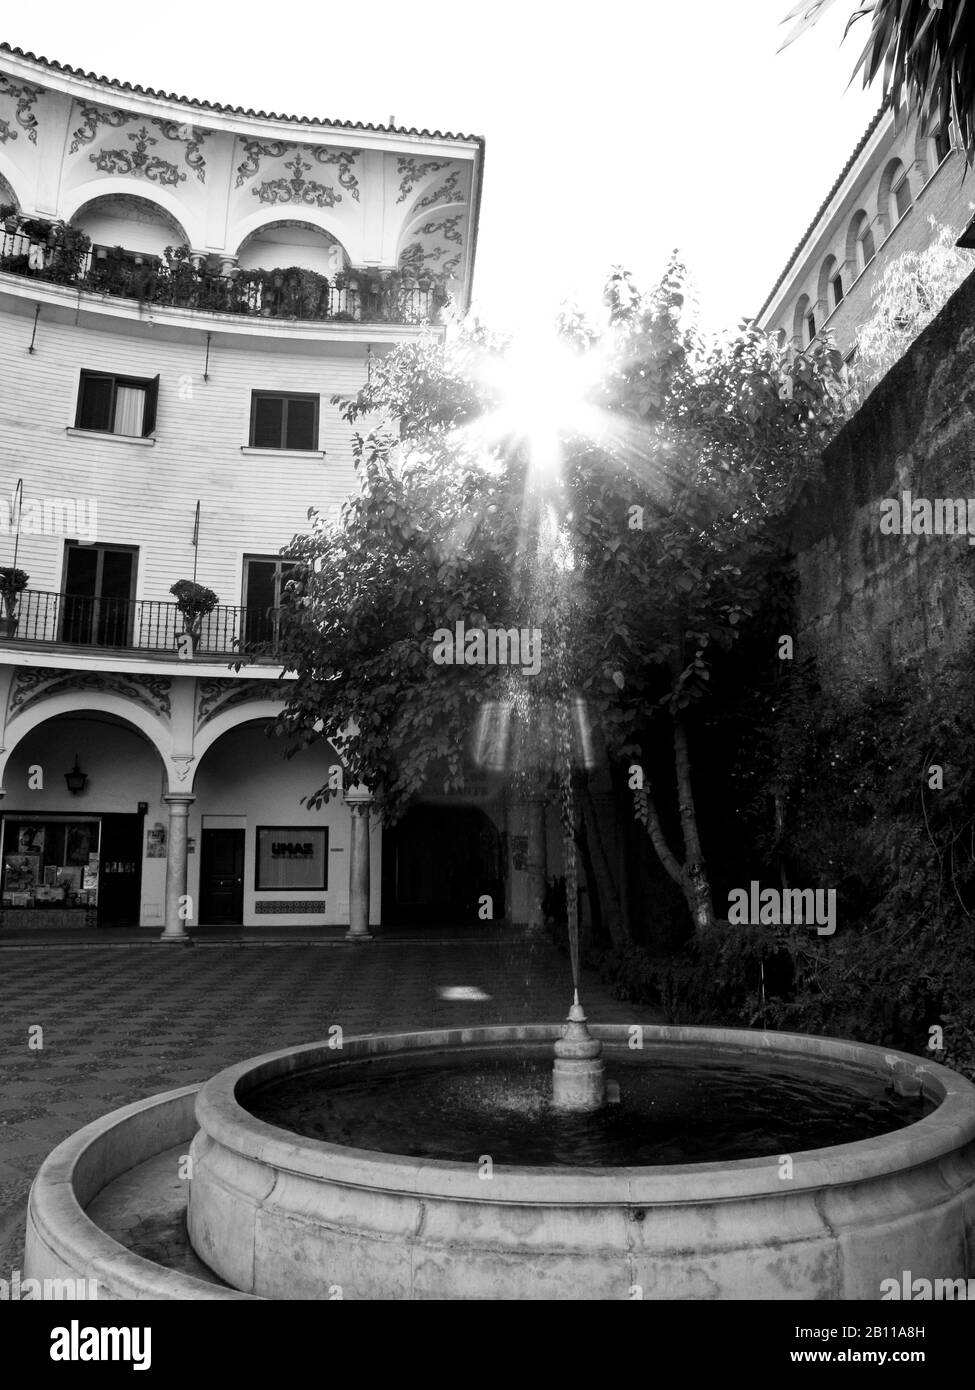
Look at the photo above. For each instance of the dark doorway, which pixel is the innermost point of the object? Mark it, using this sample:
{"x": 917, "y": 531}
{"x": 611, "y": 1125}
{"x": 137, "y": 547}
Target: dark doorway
{"x": 438, "y": 863}
{"x": 264, "y": 593}
{"x": 98, "y": 595}
{"x": 222, "y": 878}
{"x": 120, "y": 871}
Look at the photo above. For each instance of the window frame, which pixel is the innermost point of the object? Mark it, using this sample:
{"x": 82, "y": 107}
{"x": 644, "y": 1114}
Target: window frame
{"x": 286, "y": 397}
{"x": 863, "y": 260}
{"x": 100, "y": 548}
{"x": 897, "y": 214}
{"x": 322, "y": 830}
{"x": 279, "y": 561}
{"x": 836, "y": 279}
{"x": 149, "y": 385}
{"x": 941, "y": 140}
{"x": 273, "y": 613}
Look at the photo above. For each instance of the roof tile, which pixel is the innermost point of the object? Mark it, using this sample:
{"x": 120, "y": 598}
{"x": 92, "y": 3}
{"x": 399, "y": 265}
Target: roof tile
{"x": 232, "y": 110}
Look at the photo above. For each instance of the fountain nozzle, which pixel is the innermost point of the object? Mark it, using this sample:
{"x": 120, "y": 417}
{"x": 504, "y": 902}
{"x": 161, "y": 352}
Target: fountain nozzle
{"x": 578, "y": 1079}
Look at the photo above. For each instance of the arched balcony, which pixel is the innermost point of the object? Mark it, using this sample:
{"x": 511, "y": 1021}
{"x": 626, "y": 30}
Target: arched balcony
{"x": 130, "y": 248}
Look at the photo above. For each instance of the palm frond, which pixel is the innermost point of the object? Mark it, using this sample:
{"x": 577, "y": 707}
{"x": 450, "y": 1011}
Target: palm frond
{"x": 926, "y": 56}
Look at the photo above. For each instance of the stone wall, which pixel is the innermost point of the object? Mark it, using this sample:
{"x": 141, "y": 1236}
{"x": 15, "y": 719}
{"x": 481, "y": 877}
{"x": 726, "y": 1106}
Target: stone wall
{"x": 871, "y": 602}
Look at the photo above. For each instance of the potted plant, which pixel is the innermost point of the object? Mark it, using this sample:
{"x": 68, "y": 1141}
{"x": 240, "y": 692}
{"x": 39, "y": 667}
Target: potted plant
{"x": 70, "y": 249}
{"x": 13, "y": 582}
{"x": 194, "y": 602}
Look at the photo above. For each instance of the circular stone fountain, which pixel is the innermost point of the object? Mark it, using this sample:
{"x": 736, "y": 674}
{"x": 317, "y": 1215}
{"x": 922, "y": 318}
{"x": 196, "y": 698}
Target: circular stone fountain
{"x": 278, "y": 1215}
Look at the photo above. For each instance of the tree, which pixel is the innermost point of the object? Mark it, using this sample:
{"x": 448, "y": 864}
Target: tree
{"x": 731, "y": 431}
{"x": 704, "y": 445}
{"x": 924, "y": 49}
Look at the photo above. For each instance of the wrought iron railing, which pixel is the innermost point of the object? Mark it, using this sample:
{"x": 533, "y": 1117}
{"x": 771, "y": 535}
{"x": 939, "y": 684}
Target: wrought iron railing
{"x": 305, "y": 296}
{"x": 147, "y": 625}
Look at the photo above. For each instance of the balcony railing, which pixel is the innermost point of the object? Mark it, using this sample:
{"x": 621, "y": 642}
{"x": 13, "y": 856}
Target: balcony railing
{"x": 143, "y": 625}
{"x": 304, "y": 296}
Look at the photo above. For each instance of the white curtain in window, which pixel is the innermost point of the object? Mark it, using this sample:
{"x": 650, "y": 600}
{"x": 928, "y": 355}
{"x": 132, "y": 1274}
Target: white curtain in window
{"x": 130, "y": 404}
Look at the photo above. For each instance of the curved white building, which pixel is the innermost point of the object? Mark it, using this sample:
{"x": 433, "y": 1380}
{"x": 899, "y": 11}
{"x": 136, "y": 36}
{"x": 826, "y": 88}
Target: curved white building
{"x": 183, "y": 288}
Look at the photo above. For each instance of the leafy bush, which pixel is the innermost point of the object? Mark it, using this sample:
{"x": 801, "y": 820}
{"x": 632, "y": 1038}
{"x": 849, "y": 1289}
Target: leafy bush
{"x": 912, "y": 290}
{"x": 854, "y": 777}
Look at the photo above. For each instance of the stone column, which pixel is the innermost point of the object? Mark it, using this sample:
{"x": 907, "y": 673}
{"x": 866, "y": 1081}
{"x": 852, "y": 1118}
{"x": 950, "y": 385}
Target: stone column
{"x": 176, "y": 847}
{"x": 358, "y": 800}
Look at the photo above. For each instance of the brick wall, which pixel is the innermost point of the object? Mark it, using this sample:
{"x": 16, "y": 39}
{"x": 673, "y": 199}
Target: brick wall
{"x": 941, "y": 194}
{"x": 867, "y": 601}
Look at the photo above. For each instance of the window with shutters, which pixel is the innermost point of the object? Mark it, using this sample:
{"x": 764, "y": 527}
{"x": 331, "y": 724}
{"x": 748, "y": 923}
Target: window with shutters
{"x": 283, "y": 421}
{"x": 117, "y": 404}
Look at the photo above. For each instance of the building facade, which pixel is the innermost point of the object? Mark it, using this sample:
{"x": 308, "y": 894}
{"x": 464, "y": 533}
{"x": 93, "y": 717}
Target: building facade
{"x": 183, "y": 289}
{"x": 903, "y": 176}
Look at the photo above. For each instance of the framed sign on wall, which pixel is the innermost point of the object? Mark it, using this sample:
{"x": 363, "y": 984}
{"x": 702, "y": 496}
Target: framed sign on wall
{"x": 291, "y": 856}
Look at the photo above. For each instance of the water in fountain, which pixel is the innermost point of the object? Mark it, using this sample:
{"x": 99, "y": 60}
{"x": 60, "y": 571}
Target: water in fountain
{"x": 680, "y": 1104}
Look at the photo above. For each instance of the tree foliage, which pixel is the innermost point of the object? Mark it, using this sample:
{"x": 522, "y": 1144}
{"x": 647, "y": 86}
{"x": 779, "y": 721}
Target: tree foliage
{"x": 911, "y": 291}
{"x": 923, "y": 51}
{"x": 637, "y": 563}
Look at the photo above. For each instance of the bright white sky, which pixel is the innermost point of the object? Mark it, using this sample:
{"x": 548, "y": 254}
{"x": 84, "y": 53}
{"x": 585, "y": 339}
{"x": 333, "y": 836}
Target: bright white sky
{"x": 615, "y": 131}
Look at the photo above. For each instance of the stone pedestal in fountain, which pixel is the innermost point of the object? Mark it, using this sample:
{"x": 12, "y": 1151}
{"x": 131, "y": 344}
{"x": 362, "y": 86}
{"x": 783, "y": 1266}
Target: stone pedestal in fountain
{"x": 578, "y": 1078}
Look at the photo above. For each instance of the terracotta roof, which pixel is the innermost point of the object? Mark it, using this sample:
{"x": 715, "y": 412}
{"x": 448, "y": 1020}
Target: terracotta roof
{"x": 824, "y": 205}
{"x": 230, "y": 110}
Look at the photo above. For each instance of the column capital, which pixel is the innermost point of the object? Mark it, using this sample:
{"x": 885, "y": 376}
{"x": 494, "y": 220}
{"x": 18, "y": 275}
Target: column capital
{"x": 358, "y": 795}
{"x": 177, "y": 799}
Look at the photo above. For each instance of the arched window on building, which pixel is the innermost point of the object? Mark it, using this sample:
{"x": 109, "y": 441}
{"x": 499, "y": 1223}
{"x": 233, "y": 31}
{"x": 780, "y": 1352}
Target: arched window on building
{"x": 831, "y": 284}
{"x": 860, "y": 244}
{"x": 941, "y": 143}
{"x": 804, "y": 322}
{"x": 895, "y": 194}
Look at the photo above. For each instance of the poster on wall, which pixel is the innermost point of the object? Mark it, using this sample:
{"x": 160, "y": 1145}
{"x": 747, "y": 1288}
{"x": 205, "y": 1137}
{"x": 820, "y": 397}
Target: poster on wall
{"x": 30, "y": 839}
{"x": 89, "y": 876}
{"x": 291, "y": 857}
{"x": 78, "y": 844}
{"x": 21, "y": 872}
{"x": 156, "y": 841}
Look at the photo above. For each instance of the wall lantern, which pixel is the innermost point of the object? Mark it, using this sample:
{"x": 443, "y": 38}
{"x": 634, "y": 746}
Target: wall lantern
{"x": 76, "y": 779}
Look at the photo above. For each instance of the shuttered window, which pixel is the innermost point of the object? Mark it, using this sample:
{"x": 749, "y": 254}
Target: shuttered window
{"x": 280, "y": 421}
{"x": 116, "y": 404}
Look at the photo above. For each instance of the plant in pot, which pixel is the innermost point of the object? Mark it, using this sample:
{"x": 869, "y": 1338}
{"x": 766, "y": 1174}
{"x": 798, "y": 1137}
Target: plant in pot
{"x": 183, "y": 276}
{"x": 194, "y": 602}
{"x": 71, "y": 248}
{"x": 13, "y": 582}
{"x": 36, "y": 229}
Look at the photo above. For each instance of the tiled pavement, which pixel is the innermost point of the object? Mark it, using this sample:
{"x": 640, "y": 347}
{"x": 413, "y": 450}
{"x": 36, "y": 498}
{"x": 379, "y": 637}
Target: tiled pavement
{"x": 121, "y": 1024}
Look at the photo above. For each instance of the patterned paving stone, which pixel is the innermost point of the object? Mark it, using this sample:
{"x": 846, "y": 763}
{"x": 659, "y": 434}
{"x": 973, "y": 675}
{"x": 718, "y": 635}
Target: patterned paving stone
{"x": 120, "y": 1024}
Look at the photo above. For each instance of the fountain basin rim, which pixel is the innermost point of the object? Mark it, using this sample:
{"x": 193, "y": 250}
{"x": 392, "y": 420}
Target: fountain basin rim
{"x": 62, "y": 1239}
{"x": 224, "y": 1120}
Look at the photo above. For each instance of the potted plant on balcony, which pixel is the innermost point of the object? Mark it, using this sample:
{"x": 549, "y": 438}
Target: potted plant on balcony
{"x": 184, "y": 277}
{"x": 13, "y": 582}
{"x": 70, "y": 249}
{"x": 194, "y": 602}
